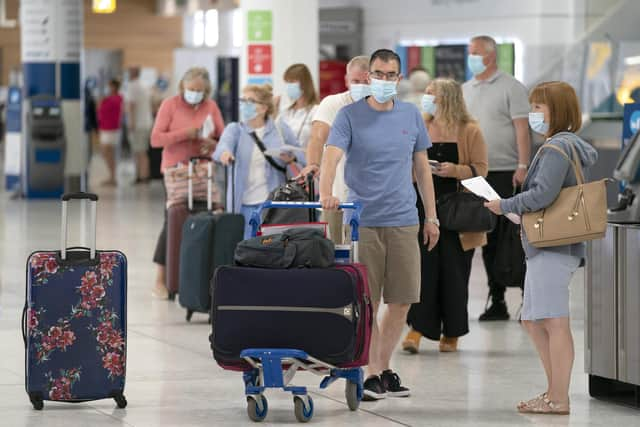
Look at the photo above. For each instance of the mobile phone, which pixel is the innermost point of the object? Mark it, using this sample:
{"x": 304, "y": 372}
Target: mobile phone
{"x": 434, "y": 164}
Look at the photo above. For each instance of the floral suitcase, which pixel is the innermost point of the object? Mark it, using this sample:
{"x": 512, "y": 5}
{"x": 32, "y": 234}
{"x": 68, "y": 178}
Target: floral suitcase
{"x": 74, "y": 321}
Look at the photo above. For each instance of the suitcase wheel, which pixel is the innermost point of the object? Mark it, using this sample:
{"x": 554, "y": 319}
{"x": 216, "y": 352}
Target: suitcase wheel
{"x": 172, "y": 296}
{"x": 121, "y": 401}
{"x": 189, "y": 315}
{"x": 253, "y": 410}
{"x": 304, "y": 413}
{"x": 37, "y": 403}
{"x": 351, "y": 393}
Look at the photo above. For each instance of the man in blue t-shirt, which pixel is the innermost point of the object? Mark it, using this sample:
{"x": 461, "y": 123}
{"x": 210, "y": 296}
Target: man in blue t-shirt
{"x": 383, "y": 140}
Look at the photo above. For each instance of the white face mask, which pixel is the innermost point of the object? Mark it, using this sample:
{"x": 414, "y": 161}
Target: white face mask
{"x": 537, "y": 123}
{"x": 193, "y": 97}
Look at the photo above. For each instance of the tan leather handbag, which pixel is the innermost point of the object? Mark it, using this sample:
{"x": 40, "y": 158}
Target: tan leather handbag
{"x": 578, "y": 214}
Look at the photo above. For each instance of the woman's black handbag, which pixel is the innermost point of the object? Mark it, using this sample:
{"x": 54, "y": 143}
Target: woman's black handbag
{"x": 464, "y": 212}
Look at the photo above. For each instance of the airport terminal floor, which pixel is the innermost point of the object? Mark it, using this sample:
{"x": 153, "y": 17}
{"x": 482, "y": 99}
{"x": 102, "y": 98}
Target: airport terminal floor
{"x": 172, "y": 379}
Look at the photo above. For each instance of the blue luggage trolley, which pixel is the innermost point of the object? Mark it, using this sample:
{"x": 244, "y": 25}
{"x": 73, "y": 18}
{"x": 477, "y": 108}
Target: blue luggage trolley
{"x": 276, "y": 368}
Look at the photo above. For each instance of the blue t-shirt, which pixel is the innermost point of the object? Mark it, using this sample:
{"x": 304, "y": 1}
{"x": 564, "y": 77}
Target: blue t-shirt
{"x": 379, "y": 146}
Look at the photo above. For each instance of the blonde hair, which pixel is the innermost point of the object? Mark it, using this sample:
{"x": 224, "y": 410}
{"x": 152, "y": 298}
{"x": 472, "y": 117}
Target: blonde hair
{"x": 195, "y": 73}
{"x": 452, "y": 111}
{"x": 264, "y": 95}
{"x": 562, "y": 101}
{"x": 300, "y": 73}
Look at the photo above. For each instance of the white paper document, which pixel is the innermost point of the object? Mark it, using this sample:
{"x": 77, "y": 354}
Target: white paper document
{"x": 290, "y": 149}
{"x": 480, "y": 187}
{"x": 208, "y": 127}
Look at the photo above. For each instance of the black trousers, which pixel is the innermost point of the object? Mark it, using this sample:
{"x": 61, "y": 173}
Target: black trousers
{"x": 502, "y": 182}
{"x": 442, "y": 309}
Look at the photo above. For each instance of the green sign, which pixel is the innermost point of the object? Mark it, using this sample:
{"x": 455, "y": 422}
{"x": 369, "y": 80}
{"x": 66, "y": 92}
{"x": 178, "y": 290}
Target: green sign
{"x": 428, "y": 60}
{"x": 260, "y": 25}
{"x": 506, "y": 58}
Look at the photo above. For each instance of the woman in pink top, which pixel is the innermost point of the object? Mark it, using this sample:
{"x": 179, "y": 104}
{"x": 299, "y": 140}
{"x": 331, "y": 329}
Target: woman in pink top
{"x": 109, "y": 120}
{"x": 176, "y": 130}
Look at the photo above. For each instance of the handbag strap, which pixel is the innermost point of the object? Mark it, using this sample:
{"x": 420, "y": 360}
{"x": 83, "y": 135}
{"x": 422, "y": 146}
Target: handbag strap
{"x": 577, "y": 167}
{"x": 269, "y": 159}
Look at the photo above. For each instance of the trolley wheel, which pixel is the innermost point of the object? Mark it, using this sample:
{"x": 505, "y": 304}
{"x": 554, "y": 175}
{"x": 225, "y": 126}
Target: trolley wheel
{"x": 209, "y": 320}
{"x": 172, "y": 296}
{"x": 303, "y": 413}
{"x": 37, "y": 403}
{"x": 121, "y": 401}
{"x": 253, "y": 411}
{"x": 189, "y": 315}
{"x": 351, "y": 393}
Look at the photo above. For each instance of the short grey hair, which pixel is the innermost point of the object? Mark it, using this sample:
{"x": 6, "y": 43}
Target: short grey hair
{"x": 488, "y": 42}
{"x": 361, "y": 62}
{"x": 195, "y": 73}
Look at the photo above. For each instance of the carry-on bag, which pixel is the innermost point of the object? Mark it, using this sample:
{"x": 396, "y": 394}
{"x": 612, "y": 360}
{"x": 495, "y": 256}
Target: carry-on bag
{"x": 325, "y": 312}
{"x": 208, "y": 241}
{"x": 177, "y": 214}
{"x": 291, "y": 191}
{"x": 74, "y": 322}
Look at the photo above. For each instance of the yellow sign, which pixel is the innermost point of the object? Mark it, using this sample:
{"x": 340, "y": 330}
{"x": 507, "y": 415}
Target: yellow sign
{"x": 104, "y": 6}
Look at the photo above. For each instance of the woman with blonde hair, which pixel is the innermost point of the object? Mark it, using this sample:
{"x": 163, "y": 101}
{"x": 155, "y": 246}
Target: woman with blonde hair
{"x": 250, "y": 144}
{"x": 460, "y": 153}
{"x": 177, "y": 130}
{"x": 298, "y": 114}
{"x": 555, "y": 114}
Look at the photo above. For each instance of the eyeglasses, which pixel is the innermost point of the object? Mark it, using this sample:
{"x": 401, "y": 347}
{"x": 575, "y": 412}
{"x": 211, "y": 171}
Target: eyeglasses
{"x": 381, "y": 75}
{"x": 250, "y": 101}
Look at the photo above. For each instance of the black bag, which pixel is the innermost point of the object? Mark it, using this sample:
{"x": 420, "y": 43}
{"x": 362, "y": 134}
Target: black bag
{"x": 291, "y": 191}
{"x": 299, "y": 247}
{"x": 465, "y": 212}
{"x": 509, "y": 265}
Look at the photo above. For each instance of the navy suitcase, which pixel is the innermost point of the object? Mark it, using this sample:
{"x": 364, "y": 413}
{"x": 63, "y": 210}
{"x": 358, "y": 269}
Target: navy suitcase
{"x": 74, "y": 321}
{"x": 208, "y": 241}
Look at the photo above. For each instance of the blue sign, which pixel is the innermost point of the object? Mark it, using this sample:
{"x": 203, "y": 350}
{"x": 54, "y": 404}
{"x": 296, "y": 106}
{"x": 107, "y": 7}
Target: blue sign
{"x": 14, "y": 110}
{"x": 630, "y": 121}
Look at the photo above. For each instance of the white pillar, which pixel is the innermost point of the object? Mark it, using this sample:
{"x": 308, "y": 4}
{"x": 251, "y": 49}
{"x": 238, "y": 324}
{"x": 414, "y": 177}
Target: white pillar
{"x": 286, "y": 28}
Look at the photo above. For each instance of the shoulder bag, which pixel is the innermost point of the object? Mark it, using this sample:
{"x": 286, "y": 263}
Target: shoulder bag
{"x": 465, "y": 212}
{"x": 578, "y": 214}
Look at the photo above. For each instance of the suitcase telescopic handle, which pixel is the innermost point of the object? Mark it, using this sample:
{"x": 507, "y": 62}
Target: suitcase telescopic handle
{"x": 255, "y": 220}
{"x": 93, "y": 198}
{"x": 192, "y": 162}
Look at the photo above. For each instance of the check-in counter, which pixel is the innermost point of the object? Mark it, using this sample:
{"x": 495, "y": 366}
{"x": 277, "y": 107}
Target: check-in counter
{"x": 612, "y": 318}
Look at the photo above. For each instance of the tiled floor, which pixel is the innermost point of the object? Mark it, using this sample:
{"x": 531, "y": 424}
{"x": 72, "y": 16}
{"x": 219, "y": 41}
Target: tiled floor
{"x": 173, "y": 381}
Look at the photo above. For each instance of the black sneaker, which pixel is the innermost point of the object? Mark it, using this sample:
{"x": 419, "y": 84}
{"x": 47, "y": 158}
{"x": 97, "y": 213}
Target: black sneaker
{"x": 391, "y": 383}
{"x": 373, "y": 389}
{"x": 497, "y": 311}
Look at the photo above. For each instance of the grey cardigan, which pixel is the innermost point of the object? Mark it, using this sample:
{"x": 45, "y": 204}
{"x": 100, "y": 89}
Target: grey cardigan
{"x": 549, "y": 173}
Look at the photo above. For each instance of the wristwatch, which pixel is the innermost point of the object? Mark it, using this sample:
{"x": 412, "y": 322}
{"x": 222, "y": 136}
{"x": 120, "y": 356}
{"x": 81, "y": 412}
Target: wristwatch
{"x": 433, "y": 221}
{"x": 523, "y": 166}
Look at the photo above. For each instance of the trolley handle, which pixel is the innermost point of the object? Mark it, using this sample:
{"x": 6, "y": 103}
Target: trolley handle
{"x": 256, "y": 217}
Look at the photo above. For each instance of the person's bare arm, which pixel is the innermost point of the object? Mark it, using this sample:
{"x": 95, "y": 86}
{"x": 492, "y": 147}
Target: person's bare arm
{"x": 319, "y": 134}
{"x": 131, "y": 110}
{"x": 427, "y": 192}
{"x": 332, "y": 156}
{"x": 523, "y": 141}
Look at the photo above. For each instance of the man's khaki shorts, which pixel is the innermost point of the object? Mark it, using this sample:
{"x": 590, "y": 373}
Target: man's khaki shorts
{"x": 139, "y": 140}
{"x": 336, "y": 229}
{"x": 392, "y": 257}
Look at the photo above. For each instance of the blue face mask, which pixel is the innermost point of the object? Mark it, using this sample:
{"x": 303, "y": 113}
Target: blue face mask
{"x": 248, "y": 111}
{"x": 193, "y": 97}
{"x": 427, "y": 104}
{"x": 475, "y": 64}
{"x": 293, "y": 91}
{"x": 537, "y": 123}
{"x": 383, "y": 90}
{"x": 359, "y": 91}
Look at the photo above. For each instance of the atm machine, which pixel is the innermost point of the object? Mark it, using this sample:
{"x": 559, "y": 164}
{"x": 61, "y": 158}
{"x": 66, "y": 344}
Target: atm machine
{"x": 44, "y": 149}
{"x": 612, "y": 292}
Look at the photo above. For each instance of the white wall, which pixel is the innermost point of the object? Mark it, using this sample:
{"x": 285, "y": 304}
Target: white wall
{"x": 540, "y": 28}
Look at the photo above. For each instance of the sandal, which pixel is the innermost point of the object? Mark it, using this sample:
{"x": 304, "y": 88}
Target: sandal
{"x": 546, "y": 407}
{"x": 531, "y": 402}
